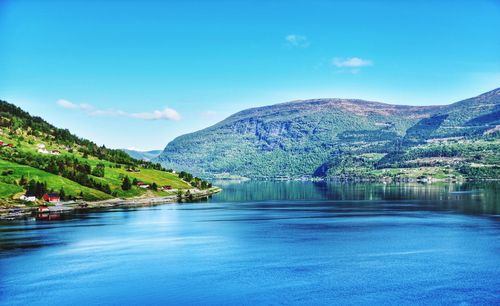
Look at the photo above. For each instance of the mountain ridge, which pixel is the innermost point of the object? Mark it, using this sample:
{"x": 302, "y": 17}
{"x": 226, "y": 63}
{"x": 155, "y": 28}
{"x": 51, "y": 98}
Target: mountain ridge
{"x": 296, "y": 138}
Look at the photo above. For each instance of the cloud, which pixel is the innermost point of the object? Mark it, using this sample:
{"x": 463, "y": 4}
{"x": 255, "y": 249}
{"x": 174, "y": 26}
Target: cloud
{"x": 351, "y": 62}
{"x": 67, "y": 104}
{"x": 294, "y": 40}
{"x": 165, "y": 114}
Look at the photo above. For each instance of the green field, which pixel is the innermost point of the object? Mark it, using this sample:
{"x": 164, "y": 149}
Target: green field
{"x": 8, "y": 190}
{"x": 113, "y": 176}
{"x": 53, "y": 182}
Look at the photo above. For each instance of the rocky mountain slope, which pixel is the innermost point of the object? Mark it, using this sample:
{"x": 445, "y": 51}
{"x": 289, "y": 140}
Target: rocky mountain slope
{"x": 314, "y": 137}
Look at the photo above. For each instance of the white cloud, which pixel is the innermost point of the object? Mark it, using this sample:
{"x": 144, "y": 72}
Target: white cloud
{"x": 351, "y": 62}
{"x": 294, "y": 40}
{"x": 165, "y": 114}
{"x": 66, "y": 104}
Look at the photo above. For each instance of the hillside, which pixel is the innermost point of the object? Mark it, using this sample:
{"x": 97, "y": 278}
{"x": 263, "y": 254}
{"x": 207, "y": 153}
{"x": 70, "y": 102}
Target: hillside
{"x": 334, "y": 137}
{"x": 36, "y": 157}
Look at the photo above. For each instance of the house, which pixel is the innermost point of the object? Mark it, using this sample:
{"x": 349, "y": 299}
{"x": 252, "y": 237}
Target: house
{"x": 166, "y": 188}
{"x": 55, "y": 152}
{"x": 43, "y": 208}
{"x": 1, "y": 143}
{"x": 40, "y": 146}
{"x": 28, "y": 198}
{"x": 142, "y": 185}
{"x": 11, "y": 145}
{"x": 51, "y": 197}
{"x": 43, "y": 151}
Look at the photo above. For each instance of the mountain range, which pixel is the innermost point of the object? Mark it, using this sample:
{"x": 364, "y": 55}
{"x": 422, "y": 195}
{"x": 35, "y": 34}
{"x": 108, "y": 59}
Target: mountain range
{"x": 346, "y": 138}
{"x": 142, "y": 155}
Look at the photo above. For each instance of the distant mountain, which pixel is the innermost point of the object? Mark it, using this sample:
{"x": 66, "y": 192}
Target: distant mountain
{"x": 143, "y": 155}
{"x": 329, "y": 137}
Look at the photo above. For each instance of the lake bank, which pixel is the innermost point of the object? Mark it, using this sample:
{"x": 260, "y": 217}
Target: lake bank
{"x": 14, "y": 212}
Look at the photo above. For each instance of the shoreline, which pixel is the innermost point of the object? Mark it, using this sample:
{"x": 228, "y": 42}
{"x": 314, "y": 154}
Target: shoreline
{"x": 19, "y": 213}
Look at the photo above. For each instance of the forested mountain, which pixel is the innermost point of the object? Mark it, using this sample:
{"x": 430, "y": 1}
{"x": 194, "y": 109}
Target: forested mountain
{"x": 343, "y": 138}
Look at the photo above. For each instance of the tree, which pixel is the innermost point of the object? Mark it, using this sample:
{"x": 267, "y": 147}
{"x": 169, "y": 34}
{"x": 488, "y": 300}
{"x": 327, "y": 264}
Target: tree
{"x": 62, "y": 194}
{"x": 23, "y": 181}
{"x": 154, "y": 186}
{"x": 98, "y": 170}
{"x": 31, "y": 189}
{"x": 40, "y": 189}
{"x": 106, "y": 188}
{"x": 126, "y": 184}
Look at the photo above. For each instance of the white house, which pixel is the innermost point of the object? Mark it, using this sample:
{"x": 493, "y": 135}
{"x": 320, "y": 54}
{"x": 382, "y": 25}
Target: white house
{"x": 28, "y": 199}
{"x": 40, "y": 146}
{"x": 43, "y": 151}
{"x": 144, "y": 186}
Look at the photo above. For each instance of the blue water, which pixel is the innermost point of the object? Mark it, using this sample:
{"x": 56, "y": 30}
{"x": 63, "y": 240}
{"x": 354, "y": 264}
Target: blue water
{"x": 266, "y": 243}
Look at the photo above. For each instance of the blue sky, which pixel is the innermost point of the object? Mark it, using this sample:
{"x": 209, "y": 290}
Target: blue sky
{"x": 139, "y": 73}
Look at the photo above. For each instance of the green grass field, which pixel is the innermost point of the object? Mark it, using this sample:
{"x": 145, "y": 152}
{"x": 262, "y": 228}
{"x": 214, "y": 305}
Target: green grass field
{"x": 9, "y": 190}
{"x": 53, "y": 181}
{"x": 113, "y": 176}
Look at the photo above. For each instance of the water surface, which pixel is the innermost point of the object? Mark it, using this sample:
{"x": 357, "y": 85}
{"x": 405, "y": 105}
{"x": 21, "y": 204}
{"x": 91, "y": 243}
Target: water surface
{"x": 266, "y": 243}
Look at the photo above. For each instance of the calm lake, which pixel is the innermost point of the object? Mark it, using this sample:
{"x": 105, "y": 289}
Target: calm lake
{"x": 266, "y": 243}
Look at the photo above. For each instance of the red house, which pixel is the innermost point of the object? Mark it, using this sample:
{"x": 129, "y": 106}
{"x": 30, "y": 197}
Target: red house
{"x": 168, "y": 187}
{"x": 51, "y": 197}
{"x": 140, "y": 183}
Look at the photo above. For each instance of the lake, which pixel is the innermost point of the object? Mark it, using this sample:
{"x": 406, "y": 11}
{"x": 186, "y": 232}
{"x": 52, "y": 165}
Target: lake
{"x": 266, "y": 243}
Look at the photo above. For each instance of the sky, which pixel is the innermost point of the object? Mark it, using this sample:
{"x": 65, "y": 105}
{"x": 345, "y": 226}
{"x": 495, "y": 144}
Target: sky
{"x": 137, "y": 74}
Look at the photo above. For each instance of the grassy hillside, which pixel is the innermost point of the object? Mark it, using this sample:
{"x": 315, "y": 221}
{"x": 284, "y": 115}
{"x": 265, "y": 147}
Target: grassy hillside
{"x": 53, "y": 181}
{"x": 33, "y": 151}
{"x": 333, "y": 137}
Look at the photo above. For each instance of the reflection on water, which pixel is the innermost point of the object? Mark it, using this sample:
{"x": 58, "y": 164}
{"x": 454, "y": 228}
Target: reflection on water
{"x": 470, "y": 197}
{"x": 266, "y": 243}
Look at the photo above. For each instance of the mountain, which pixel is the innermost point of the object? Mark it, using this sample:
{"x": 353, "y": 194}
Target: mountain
{"x": 143, "y": 155}
{"x": 333, "y": 137}
{"x": 37, "y": 157}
